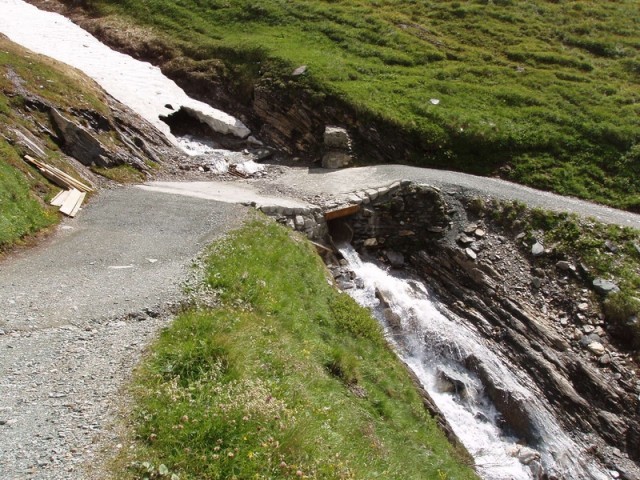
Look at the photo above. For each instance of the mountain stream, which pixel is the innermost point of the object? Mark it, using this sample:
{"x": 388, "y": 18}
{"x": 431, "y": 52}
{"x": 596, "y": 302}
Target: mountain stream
{"x": 441, "y": 349}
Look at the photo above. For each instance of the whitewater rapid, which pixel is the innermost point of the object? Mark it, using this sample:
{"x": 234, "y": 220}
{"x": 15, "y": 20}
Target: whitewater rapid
{"x": 437, "y": 345}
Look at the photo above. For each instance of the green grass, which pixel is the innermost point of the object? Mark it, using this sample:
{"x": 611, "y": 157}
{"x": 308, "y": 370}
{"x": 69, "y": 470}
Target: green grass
{"x": 286, "y": 378}
{"x": 544, "y": 93}
{"x": 21, "y": 213}
{"x": 122, "y": 173}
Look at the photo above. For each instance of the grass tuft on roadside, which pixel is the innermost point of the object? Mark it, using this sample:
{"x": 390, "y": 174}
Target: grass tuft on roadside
{"x": 21, "y": 213}
{"x": 286, "y": 378}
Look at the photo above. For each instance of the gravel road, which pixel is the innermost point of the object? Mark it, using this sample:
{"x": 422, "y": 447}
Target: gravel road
{"x": 75, "y": 315}
{"x": 306, "y": 183}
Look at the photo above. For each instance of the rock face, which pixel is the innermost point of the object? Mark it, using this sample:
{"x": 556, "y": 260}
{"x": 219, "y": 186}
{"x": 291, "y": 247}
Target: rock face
{"x": 82, "y": 145}
{"x": 92, "y": 138}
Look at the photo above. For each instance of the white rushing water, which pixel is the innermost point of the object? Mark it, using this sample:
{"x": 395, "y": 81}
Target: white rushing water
{"x": 437, "y": 346}
{"x": 139, "y": 85}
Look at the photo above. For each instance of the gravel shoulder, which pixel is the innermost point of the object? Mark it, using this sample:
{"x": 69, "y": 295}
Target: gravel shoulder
{"x": 76, "y": 313}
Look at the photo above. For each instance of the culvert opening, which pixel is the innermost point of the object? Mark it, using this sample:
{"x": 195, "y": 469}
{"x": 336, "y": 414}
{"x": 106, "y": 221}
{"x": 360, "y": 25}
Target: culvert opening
{"x": 183, "y": 124}
{"x": 340, "y": 232}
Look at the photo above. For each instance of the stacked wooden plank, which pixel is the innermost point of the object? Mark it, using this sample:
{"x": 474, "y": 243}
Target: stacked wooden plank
{"x": 70, "y": 199}
{"x": 57, "y": 176}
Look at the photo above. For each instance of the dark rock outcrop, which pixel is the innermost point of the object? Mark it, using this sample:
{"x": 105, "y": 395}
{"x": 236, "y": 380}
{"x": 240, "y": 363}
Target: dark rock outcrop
{"x": 539, "y": 328}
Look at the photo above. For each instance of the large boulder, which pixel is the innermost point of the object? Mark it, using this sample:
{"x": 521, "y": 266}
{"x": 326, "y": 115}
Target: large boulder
{"x": 336, "y": 159}
{"x": 336, "y": 137}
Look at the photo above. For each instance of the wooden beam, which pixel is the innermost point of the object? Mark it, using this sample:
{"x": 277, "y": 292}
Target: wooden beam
{"x": 341, "y": 212}
{"x": 57, "y": 176}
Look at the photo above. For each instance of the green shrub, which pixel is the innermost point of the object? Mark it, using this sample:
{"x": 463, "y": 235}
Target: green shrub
{"x": 343, "y": 365}
{"x": 622, "y": 310}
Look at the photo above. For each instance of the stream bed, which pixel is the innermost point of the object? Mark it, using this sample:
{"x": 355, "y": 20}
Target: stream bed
{"x": 446, "y": 354}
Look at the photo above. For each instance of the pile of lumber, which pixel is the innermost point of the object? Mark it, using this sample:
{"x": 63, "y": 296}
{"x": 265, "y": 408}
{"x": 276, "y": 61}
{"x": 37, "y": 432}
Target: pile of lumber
{"x": 70, "y": 199}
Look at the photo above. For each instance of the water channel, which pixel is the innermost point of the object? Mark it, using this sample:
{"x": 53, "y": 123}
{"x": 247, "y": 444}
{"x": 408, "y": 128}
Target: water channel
{"x": 442, "y": 350}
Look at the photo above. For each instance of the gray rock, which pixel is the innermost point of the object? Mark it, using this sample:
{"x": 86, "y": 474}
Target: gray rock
{"x": 527, "y": 455}
{"x": 605, "y": 359}
{"x": 605, "y": 287}
{"x": 536, "y": 282}
{"x": 480, "y": 233}
{"x": 537, "y": 249}
{"x": 586, "y": 340}
{"x": 395, "y": 259}
{"x": 471, "y": 228}
{"x": 596, "y": 348}
{"x": 464, "y": 239}
{"x": 371, "y": 242}
{"x": 336, "y": 137}
{"x": 299, "y": 71}
{"x": 612, "y": 247}
{"x": 336, "y": 159}
{"x": 564, "y": 265}
{"x": 470, "y": 253}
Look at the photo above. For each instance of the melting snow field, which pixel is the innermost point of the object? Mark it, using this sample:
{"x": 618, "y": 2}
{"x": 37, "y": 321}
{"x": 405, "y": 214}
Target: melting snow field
{"x": 139, "y": 85}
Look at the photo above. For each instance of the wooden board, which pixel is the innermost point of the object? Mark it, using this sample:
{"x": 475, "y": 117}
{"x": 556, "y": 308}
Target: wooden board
{"x": 342, "y": 212}
{"x": 59, "y": 199}
{"x": 78, "y": 204}
{"x": 70, "y": 202}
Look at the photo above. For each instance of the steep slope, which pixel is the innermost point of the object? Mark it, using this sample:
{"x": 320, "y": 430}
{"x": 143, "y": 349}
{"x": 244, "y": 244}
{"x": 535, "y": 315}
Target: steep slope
{"x": 49, "y": 110}
{"x": 539, "y": 92}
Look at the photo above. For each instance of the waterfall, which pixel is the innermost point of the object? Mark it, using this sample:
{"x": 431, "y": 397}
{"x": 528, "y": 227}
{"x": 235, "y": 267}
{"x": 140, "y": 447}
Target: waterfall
{"x": 457, "y": 367}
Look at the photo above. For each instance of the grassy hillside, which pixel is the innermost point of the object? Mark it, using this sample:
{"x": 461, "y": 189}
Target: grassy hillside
{"x": 544, "y": 93}
{"x": 23, "y": 191}
{"x": 286, "y": 378}
{"x": 29, "y": 85}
